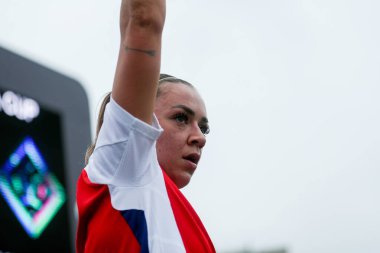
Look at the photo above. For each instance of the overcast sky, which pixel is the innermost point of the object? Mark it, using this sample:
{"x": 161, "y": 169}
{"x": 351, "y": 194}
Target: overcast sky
{"x": 292, "y": 90}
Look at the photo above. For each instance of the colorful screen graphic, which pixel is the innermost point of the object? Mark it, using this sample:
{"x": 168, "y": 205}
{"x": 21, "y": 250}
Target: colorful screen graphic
{"x": 33, "y": 206}
{"x": 31, "y": 190}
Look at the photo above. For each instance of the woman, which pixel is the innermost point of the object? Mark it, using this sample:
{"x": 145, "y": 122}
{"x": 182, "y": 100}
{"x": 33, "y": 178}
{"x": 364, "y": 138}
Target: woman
{"x": 128, "y": 195}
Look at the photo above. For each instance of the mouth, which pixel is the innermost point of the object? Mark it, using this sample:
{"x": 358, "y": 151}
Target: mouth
{"x": 194, "y": 158}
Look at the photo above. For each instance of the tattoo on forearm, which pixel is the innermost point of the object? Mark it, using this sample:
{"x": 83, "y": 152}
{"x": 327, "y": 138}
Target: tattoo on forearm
{"x": 148, "y": 52}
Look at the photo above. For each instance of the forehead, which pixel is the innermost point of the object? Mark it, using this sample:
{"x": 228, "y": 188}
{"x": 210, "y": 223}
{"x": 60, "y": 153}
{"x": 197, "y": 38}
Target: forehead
{"x": 173, "y": 94}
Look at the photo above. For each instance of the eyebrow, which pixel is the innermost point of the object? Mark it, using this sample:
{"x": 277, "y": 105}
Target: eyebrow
{"x": 203, "y": 120}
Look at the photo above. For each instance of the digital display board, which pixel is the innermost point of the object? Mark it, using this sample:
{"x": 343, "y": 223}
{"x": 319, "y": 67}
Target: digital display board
{"x": 44, "y": 134}
{"x": 32, "y": 177}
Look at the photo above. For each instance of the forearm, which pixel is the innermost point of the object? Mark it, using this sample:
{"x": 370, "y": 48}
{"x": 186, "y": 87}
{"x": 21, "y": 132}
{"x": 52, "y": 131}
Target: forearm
{"x": 138, "y": 67}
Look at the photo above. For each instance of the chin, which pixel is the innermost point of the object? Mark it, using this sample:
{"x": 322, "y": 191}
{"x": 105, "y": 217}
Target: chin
{"x": 181, "y": 180}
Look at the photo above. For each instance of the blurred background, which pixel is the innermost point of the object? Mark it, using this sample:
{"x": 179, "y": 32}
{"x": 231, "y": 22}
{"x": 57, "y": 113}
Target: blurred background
{"x": 292, "y": 90}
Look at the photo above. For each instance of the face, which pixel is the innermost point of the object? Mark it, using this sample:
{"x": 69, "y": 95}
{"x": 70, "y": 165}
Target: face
{"x": 182, "y": 114}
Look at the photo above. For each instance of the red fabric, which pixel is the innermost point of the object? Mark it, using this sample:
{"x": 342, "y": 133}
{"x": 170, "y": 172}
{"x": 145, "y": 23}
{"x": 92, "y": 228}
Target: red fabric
{"x": 194, "y": 234}
{"x": 101, "y": 228}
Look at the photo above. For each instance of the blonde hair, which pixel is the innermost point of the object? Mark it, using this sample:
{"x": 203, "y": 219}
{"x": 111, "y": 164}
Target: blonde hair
{"x": 99, "y": 124}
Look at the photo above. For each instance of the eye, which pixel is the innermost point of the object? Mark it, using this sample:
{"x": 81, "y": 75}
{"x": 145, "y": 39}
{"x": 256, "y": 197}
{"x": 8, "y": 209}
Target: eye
{"x": 205, "y": 129}
{"x": 181, "y": 118}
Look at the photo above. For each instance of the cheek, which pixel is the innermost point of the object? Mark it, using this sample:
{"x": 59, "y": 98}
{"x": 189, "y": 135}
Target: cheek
{"x": 160, "y": 145}
{"x": 168, "y": 146}
{"x": 164, "y": 147}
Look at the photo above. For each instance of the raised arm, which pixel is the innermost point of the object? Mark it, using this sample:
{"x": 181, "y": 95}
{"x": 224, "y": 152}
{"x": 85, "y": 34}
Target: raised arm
{"x": 138, "y": 65}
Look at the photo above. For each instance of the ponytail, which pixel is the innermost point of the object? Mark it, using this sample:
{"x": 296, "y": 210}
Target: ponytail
{"x": 91, "y": 148}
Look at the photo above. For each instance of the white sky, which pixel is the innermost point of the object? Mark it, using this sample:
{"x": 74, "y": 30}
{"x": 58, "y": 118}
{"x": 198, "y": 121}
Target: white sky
{"x": 292, "y": 90}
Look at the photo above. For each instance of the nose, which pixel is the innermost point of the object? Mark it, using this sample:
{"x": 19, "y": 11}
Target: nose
{"x": 196, "y": 137}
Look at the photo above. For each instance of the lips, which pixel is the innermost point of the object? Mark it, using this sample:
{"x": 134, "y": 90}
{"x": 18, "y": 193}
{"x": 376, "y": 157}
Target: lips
{"x": 193, "y": 157}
